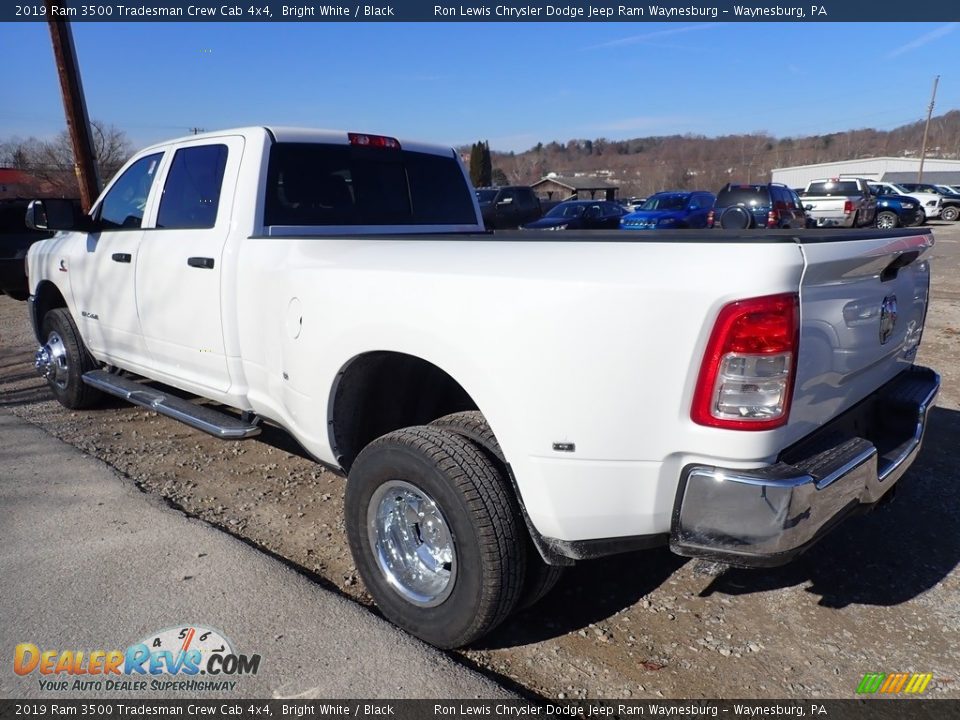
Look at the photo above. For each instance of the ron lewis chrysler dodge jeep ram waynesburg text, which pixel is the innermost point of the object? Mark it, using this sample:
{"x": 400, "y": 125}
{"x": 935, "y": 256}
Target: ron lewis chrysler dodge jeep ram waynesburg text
{"x": 502, "y": 404}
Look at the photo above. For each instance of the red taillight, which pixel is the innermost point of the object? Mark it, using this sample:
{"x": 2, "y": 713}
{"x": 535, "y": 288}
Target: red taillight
{"x": 710, "y": 219}
{"x": 746, "y": 378}
{"x": 378, "y": 141}
{"x": 848, "y": 207}
{"x": 772, "y": 219}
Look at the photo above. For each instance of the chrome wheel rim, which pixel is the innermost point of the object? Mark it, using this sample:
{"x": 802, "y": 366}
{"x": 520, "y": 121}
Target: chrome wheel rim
{"x": 412, "y": 543}
{"x": 886, "y": 222}
{"x": 51, "y": 361}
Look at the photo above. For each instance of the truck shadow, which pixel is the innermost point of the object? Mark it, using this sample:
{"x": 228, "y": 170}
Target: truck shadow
{"x": 589, "y": 592}
{"x": 886, "y": 557}
{"x": 890, "y": 555}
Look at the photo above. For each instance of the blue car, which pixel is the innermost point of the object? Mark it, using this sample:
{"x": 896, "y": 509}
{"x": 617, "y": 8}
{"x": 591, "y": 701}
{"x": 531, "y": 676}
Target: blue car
{"x": 668, "y": 210}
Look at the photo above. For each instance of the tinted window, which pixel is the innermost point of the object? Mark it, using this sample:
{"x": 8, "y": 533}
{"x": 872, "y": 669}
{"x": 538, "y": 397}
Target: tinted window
{"x": 749, "y": 195}
{"x": 317, "y": 184}
{"x": 123, "y": 205}
{"x": 191, "y": 194}
{"x": 666, "y": 202}
{"x": 527, "y": 199}
{"x": 486, "y": 195}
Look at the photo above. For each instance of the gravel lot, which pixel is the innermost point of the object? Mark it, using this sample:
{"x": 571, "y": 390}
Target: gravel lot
{"x": 881, "y": 594}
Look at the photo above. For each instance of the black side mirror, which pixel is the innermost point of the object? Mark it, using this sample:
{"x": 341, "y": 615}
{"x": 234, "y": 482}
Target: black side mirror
{"x": 54, "y": 214}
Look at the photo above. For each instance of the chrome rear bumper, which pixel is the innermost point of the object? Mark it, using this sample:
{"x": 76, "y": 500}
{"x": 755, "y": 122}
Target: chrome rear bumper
{"x": 767, "y": 516}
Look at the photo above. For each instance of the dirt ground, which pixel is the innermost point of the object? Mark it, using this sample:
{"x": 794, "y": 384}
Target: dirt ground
{"x": 881, "y": 594}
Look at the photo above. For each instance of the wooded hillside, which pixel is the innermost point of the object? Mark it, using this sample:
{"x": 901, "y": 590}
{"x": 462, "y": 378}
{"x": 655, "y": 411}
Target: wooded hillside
{"x": 644, "y": 165}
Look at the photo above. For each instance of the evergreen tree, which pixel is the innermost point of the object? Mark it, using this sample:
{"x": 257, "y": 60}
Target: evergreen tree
{"x": 476, "y": 165}
{"x": 486, "y": 164}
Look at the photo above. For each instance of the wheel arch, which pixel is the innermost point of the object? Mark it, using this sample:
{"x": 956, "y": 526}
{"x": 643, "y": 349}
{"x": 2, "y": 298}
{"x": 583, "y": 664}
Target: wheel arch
{"x": 46, "y": 298}
{"x": 379, "y": 391}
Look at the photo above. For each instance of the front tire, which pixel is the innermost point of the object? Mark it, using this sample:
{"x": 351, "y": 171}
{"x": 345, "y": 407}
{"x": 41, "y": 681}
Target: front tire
{"x": 950, "y": 213}
{"x": 67, "y": 359}
{"x": 887, "y": 219}
{"x": 434, "y": 535}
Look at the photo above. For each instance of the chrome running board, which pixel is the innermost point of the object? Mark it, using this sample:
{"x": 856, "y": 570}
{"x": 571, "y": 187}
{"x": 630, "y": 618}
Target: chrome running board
{"x": 201, "y": 417}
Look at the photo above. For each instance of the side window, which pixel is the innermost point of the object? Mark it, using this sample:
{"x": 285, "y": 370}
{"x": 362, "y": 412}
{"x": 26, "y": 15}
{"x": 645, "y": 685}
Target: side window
{"x": 191, "y": 194}
{"x": 122, "y": 207}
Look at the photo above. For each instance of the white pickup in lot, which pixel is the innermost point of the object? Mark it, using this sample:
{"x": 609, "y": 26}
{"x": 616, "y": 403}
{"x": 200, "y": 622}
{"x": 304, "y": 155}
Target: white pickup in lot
{"x": 840, "y": 202}
{"x": 503, "y": 405}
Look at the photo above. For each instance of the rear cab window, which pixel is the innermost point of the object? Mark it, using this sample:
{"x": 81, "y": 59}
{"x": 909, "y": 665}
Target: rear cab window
{"x": 328, "y": 185}
{"x": 748, "y": 195}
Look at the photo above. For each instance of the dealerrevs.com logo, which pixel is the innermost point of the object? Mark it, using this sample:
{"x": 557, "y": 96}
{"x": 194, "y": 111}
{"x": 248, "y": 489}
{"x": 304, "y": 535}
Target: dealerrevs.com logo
{"x": 189, "y": 658}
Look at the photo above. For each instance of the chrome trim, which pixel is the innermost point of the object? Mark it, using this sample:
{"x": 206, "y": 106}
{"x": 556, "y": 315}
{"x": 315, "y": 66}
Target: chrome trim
{"x": 412, "y": 543}
{"x": 768, "y": 515}
{"x": 51, "y": 362}
{"x": 201, "y": 417}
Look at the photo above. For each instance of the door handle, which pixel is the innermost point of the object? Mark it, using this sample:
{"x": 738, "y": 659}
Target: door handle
{"x": 121, "y": 257}
{"x": 200, "y": 262}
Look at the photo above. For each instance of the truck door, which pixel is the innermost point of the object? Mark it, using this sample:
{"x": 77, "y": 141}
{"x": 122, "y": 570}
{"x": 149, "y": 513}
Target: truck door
{"x": 180, "y": 265}
{"x": 102, "y": 270}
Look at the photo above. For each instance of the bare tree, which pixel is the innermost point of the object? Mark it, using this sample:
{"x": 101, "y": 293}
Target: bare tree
{"x": 51, "y": 161}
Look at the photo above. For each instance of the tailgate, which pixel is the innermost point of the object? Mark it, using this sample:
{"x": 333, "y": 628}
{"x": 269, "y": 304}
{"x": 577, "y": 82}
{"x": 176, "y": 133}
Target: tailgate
{"x": 862, "y": 307}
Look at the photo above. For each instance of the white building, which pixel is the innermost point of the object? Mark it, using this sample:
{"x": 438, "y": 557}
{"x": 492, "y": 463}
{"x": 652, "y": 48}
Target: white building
{"x": 871, "y": 168}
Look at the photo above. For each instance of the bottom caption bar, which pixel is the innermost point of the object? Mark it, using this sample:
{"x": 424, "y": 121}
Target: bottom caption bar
{"x": 892, "y": 709}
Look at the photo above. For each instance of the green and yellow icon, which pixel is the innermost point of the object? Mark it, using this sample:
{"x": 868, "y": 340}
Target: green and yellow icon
{"x": 893, "y": 683}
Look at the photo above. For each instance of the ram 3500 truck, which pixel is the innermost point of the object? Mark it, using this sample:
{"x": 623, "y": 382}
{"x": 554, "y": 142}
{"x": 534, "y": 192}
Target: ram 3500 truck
{"x": 502, "y": 405}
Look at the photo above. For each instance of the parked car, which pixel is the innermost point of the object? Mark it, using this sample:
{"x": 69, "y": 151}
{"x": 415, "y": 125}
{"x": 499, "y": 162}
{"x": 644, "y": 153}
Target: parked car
{"x": 930, "y": 202}
{"x": 580, "y": 215}
{"x": 949, "y": 203}
{"x": 840, "y": 202}
{"x": 15, "y": 239}
{"x": 508, "y": 207}
{"x": 897, "y": 210}
{"x": 770, "y": 205}
{"x": 671, "y": 210}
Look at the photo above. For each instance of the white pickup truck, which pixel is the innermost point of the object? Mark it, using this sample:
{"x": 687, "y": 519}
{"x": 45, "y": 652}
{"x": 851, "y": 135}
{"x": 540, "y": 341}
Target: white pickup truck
{"x": 840, "y": 202}
{"x": 502, "y": 404}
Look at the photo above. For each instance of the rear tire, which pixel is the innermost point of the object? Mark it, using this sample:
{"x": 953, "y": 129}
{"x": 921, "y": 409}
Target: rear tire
{"x": 920, "y": 218}
{"x": 950, "y": 213}
{"x": 70, "y": 359}
{"x": 434, "y": 535}
{"x": 541, "y": 577}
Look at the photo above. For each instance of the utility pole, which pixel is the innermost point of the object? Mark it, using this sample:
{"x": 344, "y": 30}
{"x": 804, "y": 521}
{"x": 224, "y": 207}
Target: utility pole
{"x": 926, "y": 129}
{"x": 74, "y": 104}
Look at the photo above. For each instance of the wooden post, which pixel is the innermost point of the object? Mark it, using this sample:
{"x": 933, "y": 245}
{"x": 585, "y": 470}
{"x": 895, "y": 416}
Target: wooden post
{"x": 74, "y": 104}
{"x": 926, "y": 129}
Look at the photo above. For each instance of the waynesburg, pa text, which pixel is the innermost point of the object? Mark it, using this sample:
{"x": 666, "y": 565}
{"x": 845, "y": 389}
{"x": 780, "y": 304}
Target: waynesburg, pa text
{"x": 626, "y": 11}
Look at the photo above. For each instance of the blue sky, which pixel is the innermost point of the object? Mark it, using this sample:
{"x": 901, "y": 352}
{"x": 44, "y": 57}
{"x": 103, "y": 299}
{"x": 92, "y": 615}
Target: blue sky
{"x": 511, "y": 83}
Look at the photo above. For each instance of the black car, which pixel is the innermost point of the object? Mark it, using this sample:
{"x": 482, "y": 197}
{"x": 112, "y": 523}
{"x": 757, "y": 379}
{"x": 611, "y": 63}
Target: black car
{"x": 580, "y": 215}
{"x": 508, "y": 207}
{"x": 15, "y": 239}
{"x": 767, "y": 205}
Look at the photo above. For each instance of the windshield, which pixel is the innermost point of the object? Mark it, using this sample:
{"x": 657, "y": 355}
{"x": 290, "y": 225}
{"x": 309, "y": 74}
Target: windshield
{"x": 566, "y": 210}
{"x": 486, "y": 196}
{"x": 666, "y": 202}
